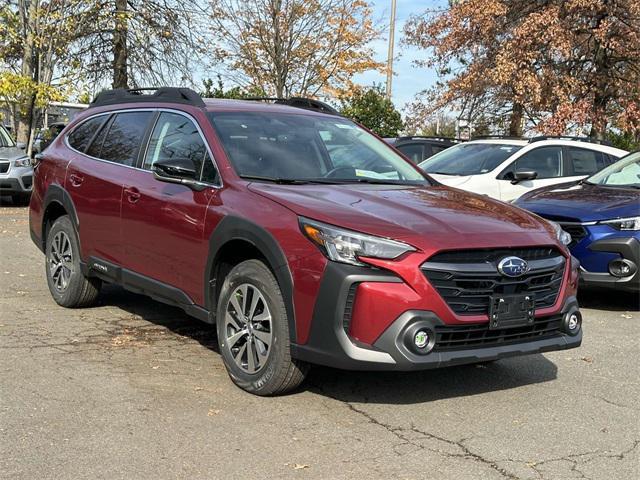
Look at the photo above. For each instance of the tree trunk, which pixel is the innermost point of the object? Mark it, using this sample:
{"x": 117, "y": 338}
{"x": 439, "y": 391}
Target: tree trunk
{"x": 515, "y": 124}
{"x": 25, "y": 115}
{"x": 120, "y": 73}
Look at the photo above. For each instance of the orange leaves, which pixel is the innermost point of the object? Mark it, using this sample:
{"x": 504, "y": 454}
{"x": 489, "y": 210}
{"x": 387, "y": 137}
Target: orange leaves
{"x": 568, "y": 62}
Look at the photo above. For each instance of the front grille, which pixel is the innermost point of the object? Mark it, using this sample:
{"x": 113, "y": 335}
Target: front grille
{"x": 468, "y": 283}
{"x": 577, "y": 232}
{"x": 4, "y": 167}
{"x": 493, "y": 255}
{"x": 27, "y": 180}
{"x": 475, "y": 336}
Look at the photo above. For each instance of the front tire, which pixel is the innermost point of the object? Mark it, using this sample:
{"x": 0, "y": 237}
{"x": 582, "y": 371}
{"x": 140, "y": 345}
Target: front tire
{"x": 253, "y": 332}
{"x": 68, "y": 286}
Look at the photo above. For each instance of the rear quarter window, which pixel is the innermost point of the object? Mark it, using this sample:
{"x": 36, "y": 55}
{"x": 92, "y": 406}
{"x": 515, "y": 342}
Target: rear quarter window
{"x": 80, "y": 137}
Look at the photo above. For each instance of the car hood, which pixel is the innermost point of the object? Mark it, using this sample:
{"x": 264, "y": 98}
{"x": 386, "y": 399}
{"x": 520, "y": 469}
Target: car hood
{"x": 582, "y": 202}
{"x": 426, "y": 217}
{"x": 451, "y": 180}
{"x": 10, "y": 153}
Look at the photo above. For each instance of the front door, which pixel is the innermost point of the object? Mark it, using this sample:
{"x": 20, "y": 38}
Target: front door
{"x": 545, "y": 161}
{"x": 163, "y": 223}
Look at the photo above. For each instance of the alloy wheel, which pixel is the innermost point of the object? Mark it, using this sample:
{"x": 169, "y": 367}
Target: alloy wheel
{"x": 248, "y": 328}
{"x": 61, "y": 261}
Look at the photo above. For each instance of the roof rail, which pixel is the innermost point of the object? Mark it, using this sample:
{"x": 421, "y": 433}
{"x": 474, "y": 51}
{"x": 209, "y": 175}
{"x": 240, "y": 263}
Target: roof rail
{"x": 427, "y": 137}
{"x": 568, "y": 137}
{"x": 299, "y": 102}
{"x": 490, "y": 137}
{"x": 184, "y": 96}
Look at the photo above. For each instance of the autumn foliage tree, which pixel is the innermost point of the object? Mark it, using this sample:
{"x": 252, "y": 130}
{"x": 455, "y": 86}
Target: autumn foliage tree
{"x": 561, "y": 64}
{"x": 294, "y": 47}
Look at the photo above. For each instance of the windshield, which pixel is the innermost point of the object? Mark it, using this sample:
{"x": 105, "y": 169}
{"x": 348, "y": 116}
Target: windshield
{"x": 625, "y": 172}
{"x": 5, "y": 138}
{"x": 469, "y": 158}
{"x": 308, "y": 148}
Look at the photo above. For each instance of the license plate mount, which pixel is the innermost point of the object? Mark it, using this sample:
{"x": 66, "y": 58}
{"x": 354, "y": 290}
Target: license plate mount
{"x": 511, "y": 311}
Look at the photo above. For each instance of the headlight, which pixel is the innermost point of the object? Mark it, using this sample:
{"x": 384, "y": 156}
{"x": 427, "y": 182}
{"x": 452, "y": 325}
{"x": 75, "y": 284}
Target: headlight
{"x": 22, "y": 162}
{"x": 564, "y": 237}
{"x": 345, "y": 246}
{"x": 628, "y": 224}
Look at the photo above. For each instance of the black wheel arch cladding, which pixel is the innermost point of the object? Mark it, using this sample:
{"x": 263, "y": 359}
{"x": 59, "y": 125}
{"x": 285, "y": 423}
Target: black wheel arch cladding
{"x": 57, "y": 194}
{"x": 233, "y": 228}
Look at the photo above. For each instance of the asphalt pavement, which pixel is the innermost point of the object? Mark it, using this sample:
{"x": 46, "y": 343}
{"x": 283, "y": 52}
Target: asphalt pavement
{"x": 133, "y": 389}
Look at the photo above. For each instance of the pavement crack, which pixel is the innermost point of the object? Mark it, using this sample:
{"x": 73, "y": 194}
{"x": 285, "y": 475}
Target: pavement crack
{"x": 466, "y": 453}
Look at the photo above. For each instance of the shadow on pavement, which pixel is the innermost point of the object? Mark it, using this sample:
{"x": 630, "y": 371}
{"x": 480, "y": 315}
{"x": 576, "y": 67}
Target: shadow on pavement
{"x": 373, "y": 387}
{"x": 612, "y": 300}
{"x": 160, "y": 314}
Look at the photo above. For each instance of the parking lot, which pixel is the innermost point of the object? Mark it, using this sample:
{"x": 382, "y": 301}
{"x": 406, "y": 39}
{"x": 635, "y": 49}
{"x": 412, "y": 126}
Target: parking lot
{"x": 136, "y": 389}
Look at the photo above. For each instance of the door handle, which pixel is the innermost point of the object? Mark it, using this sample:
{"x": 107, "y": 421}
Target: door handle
{"x": 76, "y": 180}
{"x": 132, "y": 194}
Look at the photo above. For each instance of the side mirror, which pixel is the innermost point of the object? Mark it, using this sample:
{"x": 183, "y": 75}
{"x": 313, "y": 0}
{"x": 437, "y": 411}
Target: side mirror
{"x": 21, "y": 145}
{"x": 522, "y": 175}
{"x": 177, "y": 170}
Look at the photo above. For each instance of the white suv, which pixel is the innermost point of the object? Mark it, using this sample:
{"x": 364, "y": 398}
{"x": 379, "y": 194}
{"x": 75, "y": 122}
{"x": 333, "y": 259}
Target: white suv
{"x": 505, "y": 168}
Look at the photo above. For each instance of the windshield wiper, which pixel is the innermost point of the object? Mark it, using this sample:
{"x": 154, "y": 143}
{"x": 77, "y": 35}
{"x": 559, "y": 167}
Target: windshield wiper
{"x": 280, "y": 181}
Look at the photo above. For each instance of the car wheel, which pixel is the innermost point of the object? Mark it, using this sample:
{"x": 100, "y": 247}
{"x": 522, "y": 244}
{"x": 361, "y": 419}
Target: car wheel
{"x": 253, "y": 332}
{"x": 68, "y": 286}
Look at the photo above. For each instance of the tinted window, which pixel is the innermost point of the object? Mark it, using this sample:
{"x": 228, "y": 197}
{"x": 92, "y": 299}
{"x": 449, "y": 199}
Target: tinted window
{"x": 175, "y": 137}
{"x": 413, "y": 151}
{"x": 308, "y": 147}
{"x": 469, "y": 158}
{"x": 82, "y": 135}
{"x": 96, "y": 145}
{"x": 124, "y": 138}
{"x": 547, "y": 161}
{"x": 209, "y": 172}
{"x": 437, "y": 149}
{"x": 585, "y": 162}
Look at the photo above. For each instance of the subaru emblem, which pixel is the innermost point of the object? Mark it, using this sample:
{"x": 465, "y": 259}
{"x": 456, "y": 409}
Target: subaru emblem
{"x": 513, "y": 267}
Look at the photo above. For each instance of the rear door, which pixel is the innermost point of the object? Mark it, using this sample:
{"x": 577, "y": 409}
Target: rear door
{"x": 546, "y": 161}
{"x": 163, "y": 223}
{"x": 106, "y": 150}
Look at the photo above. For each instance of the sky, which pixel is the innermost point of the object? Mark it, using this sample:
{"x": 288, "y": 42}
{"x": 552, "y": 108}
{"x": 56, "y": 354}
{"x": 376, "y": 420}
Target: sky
{"x": 408, "y": 80}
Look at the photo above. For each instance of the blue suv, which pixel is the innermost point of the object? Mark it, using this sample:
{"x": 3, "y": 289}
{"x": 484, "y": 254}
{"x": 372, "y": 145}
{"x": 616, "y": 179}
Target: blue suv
{"x": 602, "y": 214}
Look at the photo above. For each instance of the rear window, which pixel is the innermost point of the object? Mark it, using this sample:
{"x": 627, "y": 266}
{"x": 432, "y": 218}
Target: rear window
{"x": 80, "y": 137}
{"x": 469, "y": 158}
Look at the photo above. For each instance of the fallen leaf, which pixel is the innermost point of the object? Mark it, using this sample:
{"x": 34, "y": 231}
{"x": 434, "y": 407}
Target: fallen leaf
{"x": 587, "y": 359}
{"x": 212, "y": 412}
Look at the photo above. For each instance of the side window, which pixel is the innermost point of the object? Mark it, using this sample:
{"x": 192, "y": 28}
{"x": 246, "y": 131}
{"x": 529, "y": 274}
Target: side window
{"x": 437, "y": 149}
{"x": 585, "y": 162}
{"x": 413, "y": 151}
{"x": 547, "y": 161}
{"x": 95, "y": 148}
{"x": 80, "y": 137}
{"x": 175, "y": 137}
{"x": 123, "y": 140}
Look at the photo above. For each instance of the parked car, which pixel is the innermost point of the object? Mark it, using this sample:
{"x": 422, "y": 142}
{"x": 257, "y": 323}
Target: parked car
{"x": 506, "y": 168}
{"x": 46, "y": 135}
{"x": 303, "y": 237}
{"x": 16, "y": 173}
{"x": 419, "y": 148}
{"x": 602, "y": 214}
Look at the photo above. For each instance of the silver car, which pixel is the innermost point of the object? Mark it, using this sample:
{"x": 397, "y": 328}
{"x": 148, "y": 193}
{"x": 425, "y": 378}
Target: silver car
{"x": 16, "y": 172}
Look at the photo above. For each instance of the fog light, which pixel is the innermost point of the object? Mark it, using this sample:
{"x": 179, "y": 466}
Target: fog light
{"x": 421, "y": 339}
{"x": 622, "y": 267}
{"x": 572, "y": 322}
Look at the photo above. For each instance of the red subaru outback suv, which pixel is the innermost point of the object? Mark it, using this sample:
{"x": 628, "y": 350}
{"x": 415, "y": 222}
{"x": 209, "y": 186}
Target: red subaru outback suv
{"x": 302, "y": 236}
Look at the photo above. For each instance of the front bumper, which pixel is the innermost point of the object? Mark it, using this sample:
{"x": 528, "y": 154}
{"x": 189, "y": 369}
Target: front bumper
{"x": 329, "y": 343}
{"x": 625, "y": 248}
{"x": 17, "y": 180}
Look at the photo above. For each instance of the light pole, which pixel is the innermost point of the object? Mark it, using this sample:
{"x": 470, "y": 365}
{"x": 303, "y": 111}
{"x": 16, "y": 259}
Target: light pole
{"x": 392, "y": 31}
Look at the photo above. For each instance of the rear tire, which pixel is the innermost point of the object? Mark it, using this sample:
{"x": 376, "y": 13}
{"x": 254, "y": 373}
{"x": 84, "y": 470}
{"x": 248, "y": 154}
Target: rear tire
{"x": 68, "y": 286}
{"x": 253, "y": 332}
